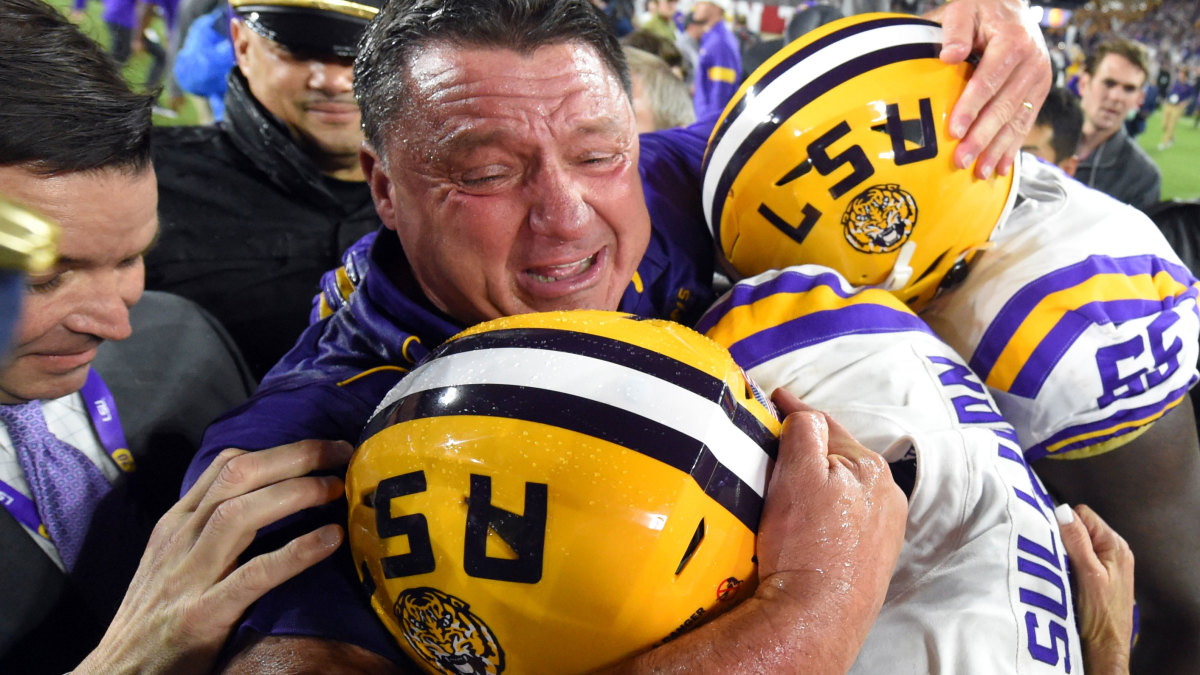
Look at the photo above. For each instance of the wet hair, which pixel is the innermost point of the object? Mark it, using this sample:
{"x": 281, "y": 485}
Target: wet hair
{"x": 403, "y": 26}
{"x": 1134, "y": 52}
{"x": 64, "y": 106}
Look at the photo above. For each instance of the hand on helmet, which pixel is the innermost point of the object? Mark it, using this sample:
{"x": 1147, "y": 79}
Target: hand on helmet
{"x": 829, "y": 537}
{"x": 992, "y": 117}
{"x": 832, "y": 525}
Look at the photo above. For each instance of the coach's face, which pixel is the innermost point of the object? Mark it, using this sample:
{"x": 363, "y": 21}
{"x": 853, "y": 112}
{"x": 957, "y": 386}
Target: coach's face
{"x": 107, "y": 220}
{"x": 513, "y": 181}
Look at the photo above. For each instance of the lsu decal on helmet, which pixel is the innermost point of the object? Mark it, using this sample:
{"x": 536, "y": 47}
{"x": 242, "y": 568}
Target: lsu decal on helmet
{"x": 551, "y": 493}
{"x": 836, "y": 151}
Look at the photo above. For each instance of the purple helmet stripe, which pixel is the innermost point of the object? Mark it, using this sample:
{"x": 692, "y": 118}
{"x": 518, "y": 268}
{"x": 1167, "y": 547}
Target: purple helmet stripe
{"x": 652, "y": 363}
{"x": 592, "y": 418}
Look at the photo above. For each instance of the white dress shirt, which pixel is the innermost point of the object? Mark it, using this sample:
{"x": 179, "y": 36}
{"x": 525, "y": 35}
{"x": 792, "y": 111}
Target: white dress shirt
{"x": 68, "y": 420}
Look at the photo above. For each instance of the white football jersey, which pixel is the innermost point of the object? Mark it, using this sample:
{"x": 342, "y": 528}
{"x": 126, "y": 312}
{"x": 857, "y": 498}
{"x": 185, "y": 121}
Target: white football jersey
{"x": 1080, "y": 318}
{"x": 981, "y": 584}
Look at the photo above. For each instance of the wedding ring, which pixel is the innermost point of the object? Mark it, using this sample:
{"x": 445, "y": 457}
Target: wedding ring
{"x": 1027, "y": 104}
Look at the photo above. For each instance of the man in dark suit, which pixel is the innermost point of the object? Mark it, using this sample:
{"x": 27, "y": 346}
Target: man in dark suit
{"x": 95, "y": 433}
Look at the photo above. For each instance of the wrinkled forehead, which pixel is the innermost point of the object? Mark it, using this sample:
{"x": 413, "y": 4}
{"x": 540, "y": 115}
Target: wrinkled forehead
{"x": 438, "y": 64}
{"x": 564, "y": 86}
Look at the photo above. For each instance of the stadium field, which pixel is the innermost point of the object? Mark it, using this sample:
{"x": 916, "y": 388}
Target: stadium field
{"x": 1180, "y": 163}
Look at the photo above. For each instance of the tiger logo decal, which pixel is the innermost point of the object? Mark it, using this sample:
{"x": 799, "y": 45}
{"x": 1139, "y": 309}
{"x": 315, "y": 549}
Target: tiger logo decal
{"x": 880, "y": 219}
{"x": 442, "y": 631}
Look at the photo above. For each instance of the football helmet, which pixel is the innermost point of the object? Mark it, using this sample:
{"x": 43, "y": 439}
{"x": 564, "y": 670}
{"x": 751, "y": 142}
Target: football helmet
{"x": 553, "y": 492}
{"x": 836, "y": 151}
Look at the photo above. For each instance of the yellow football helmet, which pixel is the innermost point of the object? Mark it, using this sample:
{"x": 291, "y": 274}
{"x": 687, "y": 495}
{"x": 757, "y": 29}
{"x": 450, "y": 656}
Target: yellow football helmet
{"x": 837, "y": 152}
{"x": 550, "y": 493}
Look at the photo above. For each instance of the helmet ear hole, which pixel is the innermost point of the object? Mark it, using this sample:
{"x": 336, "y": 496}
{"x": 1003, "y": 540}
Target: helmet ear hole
{"x": 694, "y": 544}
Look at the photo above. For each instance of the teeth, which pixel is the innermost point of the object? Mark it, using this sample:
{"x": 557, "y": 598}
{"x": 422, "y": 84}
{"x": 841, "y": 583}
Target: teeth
{"x": 578, "y": 267}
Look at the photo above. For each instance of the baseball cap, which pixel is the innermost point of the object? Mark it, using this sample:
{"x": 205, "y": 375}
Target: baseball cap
{"x": 318, "y": 26}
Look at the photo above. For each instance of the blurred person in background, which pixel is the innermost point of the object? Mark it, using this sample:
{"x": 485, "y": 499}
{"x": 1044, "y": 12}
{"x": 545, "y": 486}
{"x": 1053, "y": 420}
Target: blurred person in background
{"x": 660, "y": 19}
{"x": 203, "y": 63}
{"x": 661, "y": 47}
{"x": 1055, "y": 135}
{"x": 1178, "y": 96}
{"x": 1110, "y": 88}
{"x": 255, "y": 209}
{"x": 129, "y": 31}
{"x": 186, "y": 13}
{"x": 719, "y": 61}
{"x": 660, "y": 98}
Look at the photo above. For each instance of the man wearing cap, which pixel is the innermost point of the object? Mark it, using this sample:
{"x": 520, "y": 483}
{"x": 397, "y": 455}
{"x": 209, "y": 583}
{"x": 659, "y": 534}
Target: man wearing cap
{"x": 254, "y": 209}
{"x": 719, "y": 65}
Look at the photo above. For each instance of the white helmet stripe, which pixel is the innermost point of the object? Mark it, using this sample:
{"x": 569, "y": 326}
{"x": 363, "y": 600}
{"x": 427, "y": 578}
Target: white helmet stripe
{"x": 761, "y": 105}
{"x": 640, "y": 393}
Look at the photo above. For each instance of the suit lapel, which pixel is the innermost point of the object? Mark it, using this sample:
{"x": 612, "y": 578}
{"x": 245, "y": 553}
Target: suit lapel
{"x": 30, "y": 583}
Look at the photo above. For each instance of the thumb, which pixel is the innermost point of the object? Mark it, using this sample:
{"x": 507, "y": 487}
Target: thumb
{"x": 803, "y": 440}
{"x": 1075, "y": 536}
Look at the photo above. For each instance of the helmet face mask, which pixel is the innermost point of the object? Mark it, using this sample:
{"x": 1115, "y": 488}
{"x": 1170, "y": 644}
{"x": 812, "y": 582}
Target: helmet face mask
{"x": 555, "y": 492}
{"x": 837, "y": 152}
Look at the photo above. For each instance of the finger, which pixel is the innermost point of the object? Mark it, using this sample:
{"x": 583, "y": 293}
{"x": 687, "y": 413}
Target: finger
{"x": 994, "y": 100}
{"x": 1016, "y": 118}
{"x": 995, "y": 69}
{"x": 801, "y": 469}
{"x": 1077, "y": 541}
{"x": 788, "y": 403}
{"x": 843, "y": 444}
{"x": 235, "y": 522}
{"x": 191, "y": 499}
{"x": 228, "y": 599}
{"x": 837, "y": 441}
{"x": 250, "y": 471}
{"x": 803, "y": 442}
{"x": 958, "y": 28}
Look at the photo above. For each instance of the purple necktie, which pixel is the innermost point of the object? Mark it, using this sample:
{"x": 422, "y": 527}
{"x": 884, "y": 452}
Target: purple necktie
{"x": 65, "y": 484}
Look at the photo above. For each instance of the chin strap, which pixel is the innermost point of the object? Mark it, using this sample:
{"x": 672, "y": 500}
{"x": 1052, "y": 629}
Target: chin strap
{"x": 902, "y": 271}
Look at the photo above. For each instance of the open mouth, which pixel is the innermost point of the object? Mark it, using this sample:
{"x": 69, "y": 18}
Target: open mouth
{"x": 552, "y": 273}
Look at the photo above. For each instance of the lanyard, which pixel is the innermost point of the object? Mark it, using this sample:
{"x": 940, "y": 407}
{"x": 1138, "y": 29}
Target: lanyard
{"x": 102, "y": 411}
{"x": 22, "y": 508}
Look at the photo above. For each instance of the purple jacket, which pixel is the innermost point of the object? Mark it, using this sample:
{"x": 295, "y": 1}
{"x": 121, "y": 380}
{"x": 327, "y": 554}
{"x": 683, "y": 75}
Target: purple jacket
{"x": 329, "y": 384}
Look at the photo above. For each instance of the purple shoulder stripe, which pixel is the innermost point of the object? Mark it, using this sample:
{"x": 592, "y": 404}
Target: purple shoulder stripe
{"x": 1015, "y": 311}
{"x": 1047, "y": 354}
{"x": 1039, "y": 450}
{"x": 790, "y": 281}
{"x": 820, "y": 327}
